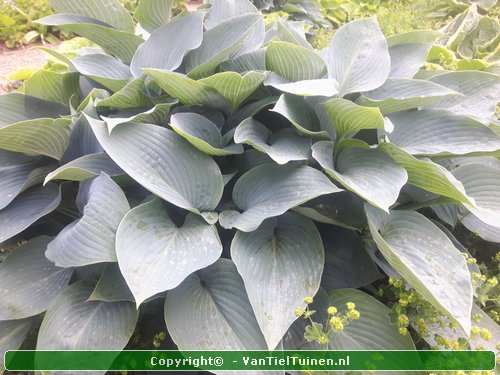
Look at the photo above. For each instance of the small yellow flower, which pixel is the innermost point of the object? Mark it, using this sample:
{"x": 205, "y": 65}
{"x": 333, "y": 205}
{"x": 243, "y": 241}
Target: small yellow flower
{"x": 403, "y": 302}
{"x": 403, "y": 331}
{"x": 353, "y": 314}
{"x": 492, "y": 282}
{"x": 486, "y": 334}
{"x": 403, "y": 320}
{"x": 298, "y": 312}
{"x": 332, "y": 310}
{"x": 475, "y": 331}
{"x": 323, "y": 339}
{"x": 350, "y": 306}
{"x": 308, "y": 300}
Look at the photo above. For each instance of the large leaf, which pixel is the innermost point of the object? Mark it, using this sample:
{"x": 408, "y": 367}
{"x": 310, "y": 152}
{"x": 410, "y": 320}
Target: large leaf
{"x": 132, "y": 95}
{"x": 235, "y": 87}
{"x": 486, "y": 232}
{"x": 349, "y": 118}
{"x": 293, "y": 62}
{"x": 482, "y": 183}
{"x": 358, "y": 57}
{"x": 153, "y": 14}
{"x": 91, "y": 239}
{"x": 369, "y": 173}
{"x": 111, "y": 286}
{"x": 347, "y": 263}
{"x": 29, "y": 281}
{"x": 40, "y": 137}
{"x": 85, "y": 167}
{"x": 157, "y": 115}
{"x": 179, "y": 174}
{"x": 310, "y": 87}
{"x": 16, "y": 107}
{"x": 52, "y": 86}
{"x": 282, "y": 146}
{"x": 16, "y": 178}
{"x": 202, "y": 134}
{"x": 104, "y": 69}
{"x": 409, "y": 52}
{"x": 187, "y": 90}
{"x": 121, "y": 44}
{"x": 167, "y": 45}
{"x": 281, "y": 263}
{"x": 219, "y": 43}
{"x": 223, "y": 10}
{"x": 426, "y": 258}
{"x": 74, "y": 323}
{"x": 28, "y": 208}
{"x": 398, "y": 94}
{"x": 427, "y": 175}
{"x": 373, "y": 331}
{"x": 108, "y": 11}
{"x": 155, "y": 255}
{"x": 82, "y": 140}
{"x": 481, "y": 92}
{"x": 270, "y": 190}
{"x": 210, "y": 310}
{"x": 300, "y": 114}
{"x": 434, "y": 131}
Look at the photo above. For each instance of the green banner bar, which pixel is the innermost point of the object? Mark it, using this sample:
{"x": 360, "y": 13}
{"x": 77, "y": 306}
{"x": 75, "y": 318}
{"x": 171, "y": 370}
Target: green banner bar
{"x": 164, "y": 360}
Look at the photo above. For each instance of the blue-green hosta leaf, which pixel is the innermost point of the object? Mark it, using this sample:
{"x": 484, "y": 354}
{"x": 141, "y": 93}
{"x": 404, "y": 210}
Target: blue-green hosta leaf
{"x": 250, "y": 61}
{"x": 281, "y": 263}
{"x": 39, "y": 137}
{"x": 219, "y": 43}
{"x": 358, "y": 56}
{"x": 399, "y": 94}
{"x": 74, "y": 323}
{"x": 481, "y": 92}
{"x": 104, "y": 69}
{"x": 210, "y": 310}
{"x": 82, "y": 140}
{"x": 347, "y": 264}
{"x": 344, "y": 209}
{"x": 52, "y": 86}
{"x": 369, "y": 173}
{"x": 130, "y": 96}
{"x": 108, "y": 11}
{"x": 91, "y": 239}
{"x": 84, "y": 168}
{"x": 202, "y": 134}
{"x": 427, "y": 175}
{"x": 27, "y": 208}
{"x": 12, "y": 335}
{"x": 425, "y": 257}
{"x": 249, "y": 110}
{"x": 311, "y": 87}
{"x": 373, "y": 330}
{"x": 111, "y": 286}
{"x": 167, "y": 45}
{"x": 155, "y": 255}
{"x": 223, "y": 10}
{"x": 157, "y": 115}
{"x": 482, "y": 183}
{"x": 283, "y": 146}
{"x": 16, "y": 178}
{"x": 16, "y": 107}
{"x": 349, "y": 118}
{"x": 153, "y": 14}
{"x": 29, "y": 281}
{"x": 121, "y": 44}
{"x": 270, "y": 190}
{"x": 187, "y": 90}
{"x": 438, "y": 131}
{"x": 180, "y": 174}
{"x": 486, "y": 232}
{"x": 292, "y": 32}
{"x": 293, "y": 62}
{"x": 235, "y": 87}
{"x": 409, "y": 51}
{"x": 300, "y": 114}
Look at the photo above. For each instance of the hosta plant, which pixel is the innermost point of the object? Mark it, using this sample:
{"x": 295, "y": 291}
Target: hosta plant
{"x": 229, "y": 172}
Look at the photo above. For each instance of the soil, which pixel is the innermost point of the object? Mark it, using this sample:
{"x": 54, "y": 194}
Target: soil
{"x": 12, "y": 59}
